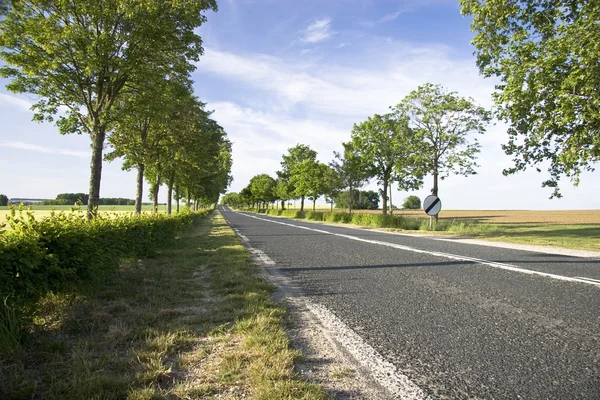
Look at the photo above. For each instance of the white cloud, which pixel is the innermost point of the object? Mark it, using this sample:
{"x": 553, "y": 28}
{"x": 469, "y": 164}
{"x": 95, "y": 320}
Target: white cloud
{"x": 351, "y": 92}
{"x": 15, "y": 101}
{"x": 318, "y": 31}
{"x": 41, "y": 149}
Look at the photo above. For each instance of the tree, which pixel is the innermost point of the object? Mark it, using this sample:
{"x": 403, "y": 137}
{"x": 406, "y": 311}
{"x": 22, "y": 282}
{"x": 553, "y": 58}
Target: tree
{"x": 443, "y": 123}
{"x": 80, "y": 56}
{"x": 547, "y": 55}
{"x": 3, "y": 200}
{"x": 412, "y": 203}
{"x": 362, "y": 200}
{"x": 296, "y": 155}
{"x": 309, "y": 179}
{"x": 263, "y": 188}
{"x": 350, "y": 170}
{"x": 332, "y": 184}
{"x": 386, "y": 146}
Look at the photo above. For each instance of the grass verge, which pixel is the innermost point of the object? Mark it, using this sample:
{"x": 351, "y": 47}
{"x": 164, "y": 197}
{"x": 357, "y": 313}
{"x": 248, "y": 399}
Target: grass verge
{"x": 570, "y": 236}
{"x": 195, "y": 321}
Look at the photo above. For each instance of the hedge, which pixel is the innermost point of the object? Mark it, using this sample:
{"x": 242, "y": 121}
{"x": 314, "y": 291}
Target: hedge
{"x": 56, "y": 253}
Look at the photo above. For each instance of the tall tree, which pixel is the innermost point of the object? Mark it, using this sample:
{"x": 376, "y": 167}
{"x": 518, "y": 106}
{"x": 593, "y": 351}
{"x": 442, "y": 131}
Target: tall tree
{"x": 386, "y": 146}
{"x": 296, "y": 155}
{"x": 547, "y": 55}
{"x": 263, "y": 188}
{"x": 350, "y": 170}
{"x": 443, "y": 123}
{"x": 308, "y": 178}
{"x": 82, "y": 55}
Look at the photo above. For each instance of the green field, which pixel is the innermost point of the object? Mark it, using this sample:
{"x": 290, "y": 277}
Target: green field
{"x": 44, "y": 211}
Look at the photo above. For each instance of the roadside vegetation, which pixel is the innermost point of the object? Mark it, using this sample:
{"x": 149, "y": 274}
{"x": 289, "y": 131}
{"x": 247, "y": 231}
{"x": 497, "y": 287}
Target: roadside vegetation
{"x": 193, "y": 321}
{"x": 559, "y": 234}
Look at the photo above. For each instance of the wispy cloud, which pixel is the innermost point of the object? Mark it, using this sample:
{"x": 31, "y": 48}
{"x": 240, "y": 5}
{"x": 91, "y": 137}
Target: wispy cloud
{"x": 42, "y": 149}
{"x": 318, "y": 31}
{"x": 15, "y": 101}
{"x": 348, "y": 92}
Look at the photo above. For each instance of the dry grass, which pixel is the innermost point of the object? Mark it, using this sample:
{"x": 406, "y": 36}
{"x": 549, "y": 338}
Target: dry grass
{"x": 193, "y": 322}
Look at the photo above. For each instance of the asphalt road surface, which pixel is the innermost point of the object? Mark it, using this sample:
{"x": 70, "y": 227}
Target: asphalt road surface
{"x": 460, "y": 320}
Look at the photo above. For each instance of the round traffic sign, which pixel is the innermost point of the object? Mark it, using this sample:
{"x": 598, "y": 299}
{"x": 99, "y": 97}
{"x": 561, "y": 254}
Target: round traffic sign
{"x": 432, "y": 205}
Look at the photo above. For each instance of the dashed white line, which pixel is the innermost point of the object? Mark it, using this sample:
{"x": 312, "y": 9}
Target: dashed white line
{"x": 507, "y": 267}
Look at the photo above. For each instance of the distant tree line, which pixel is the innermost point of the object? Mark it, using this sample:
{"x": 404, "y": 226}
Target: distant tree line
{"x": 82, "y": 199}
{"x": 430, "y": 132}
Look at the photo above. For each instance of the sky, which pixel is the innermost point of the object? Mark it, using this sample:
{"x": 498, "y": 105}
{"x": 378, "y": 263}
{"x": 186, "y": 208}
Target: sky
{"x": 282, "y": 72}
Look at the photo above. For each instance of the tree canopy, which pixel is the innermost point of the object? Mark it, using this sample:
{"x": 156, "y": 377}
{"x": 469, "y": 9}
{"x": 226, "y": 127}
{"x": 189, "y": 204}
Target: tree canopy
{"x": 79, "y": 57}
{"x": 547, "y": 56}
{"x": 443, "y": 123}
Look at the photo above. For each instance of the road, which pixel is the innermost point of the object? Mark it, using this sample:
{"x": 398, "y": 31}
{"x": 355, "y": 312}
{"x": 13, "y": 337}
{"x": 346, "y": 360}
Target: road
{"x": 460, "y": 320}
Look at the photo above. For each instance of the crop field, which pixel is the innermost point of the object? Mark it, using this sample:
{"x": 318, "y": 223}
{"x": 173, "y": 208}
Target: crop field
{"x": 569, "y": 217}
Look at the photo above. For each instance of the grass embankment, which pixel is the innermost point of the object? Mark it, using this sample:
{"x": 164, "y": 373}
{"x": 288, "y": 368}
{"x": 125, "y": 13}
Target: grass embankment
{"x": 192, "y": 322}
{"x": 559, "y": 233}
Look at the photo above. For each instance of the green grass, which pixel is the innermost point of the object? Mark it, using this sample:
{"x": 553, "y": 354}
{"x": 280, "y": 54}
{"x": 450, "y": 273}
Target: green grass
{"x": 195, "y": 321}
{"x": 570, "y": 236}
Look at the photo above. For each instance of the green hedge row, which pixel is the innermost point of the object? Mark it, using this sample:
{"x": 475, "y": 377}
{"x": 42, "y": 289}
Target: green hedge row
{"x": 371, "y": 220}
{"x": 64, "y": 250}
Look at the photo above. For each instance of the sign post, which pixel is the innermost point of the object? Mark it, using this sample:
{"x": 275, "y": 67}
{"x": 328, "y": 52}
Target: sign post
{"x": 432, "y": 205}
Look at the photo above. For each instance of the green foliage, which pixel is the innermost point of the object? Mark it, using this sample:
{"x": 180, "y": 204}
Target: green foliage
{"x": 387, "y": 147}
{"x": 350, "y": 169}
{"x": 412, "y": 203}
{"x": 547, "y": 56}
{"x": 262, "y": 188}
{"x": 3, "y": 200}
{"x": 59, "y": 252}
{"x": 443, "y": 122}
{"x": 361, "y": 200}
{"x": 72, "y": 198}
{"x": 83, "y": 55}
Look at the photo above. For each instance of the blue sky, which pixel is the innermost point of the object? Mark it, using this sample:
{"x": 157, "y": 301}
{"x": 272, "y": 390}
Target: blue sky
{"x": 280, "y": 72}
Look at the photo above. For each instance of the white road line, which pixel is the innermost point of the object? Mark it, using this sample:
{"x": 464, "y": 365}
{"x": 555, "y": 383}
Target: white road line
{"x": 244, "y": 238}
{"x": 508, "y": 267}
{"x": 385, "y": 373}
{"x": 589, "y": 279}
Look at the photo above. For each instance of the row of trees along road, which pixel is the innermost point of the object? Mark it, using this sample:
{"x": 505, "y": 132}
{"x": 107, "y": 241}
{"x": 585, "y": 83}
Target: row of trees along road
{"x": 431, "y": 131}
{"x": 119, "y": 71}
{"x": 546, "y": 54}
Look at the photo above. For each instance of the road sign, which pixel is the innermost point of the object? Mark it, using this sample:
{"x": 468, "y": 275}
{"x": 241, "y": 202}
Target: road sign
{"x": 432, "y": 205}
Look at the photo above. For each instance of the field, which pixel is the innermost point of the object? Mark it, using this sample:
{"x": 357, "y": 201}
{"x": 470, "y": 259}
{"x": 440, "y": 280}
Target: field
{"x": 572, "y": 217}
{"x": 572, "y": 229}
{"x": 44, "y": 211}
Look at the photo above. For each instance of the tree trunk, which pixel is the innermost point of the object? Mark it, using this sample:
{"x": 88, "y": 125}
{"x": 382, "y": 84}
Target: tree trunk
{"x": 189, "y": 199}
{"x": 331, "y": 205}
{"x": 155, "y": 195}
{"x": 314, "y": 203}
{"x": 177, "y": 198}
{"x": 170, "y": 192}
{"x": 98, "y": 136}
{"x": 391, "y": 204}
{"x": 139, "y": 192}
{"x": 350, "y": 200}
{"x": 283, "y": 204}
{"x": 302, "y": 204}
{"x": 384, "y": 195}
